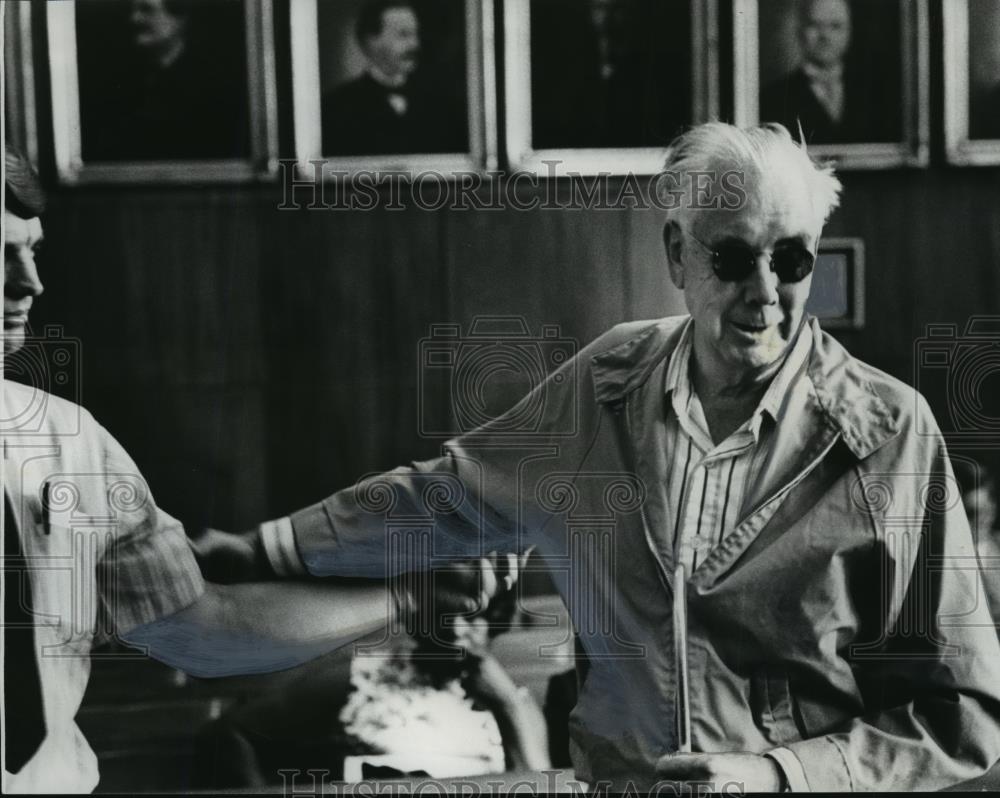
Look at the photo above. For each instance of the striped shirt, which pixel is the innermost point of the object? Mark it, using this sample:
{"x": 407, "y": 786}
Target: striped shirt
{"x": 707, "y": 483}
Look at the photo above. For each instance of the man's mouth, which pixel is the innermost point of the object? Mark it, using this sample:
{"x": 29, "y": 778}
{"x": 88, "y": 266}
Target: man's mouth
{"x": 750, "y": 328}
{"x": 16, "y": 318}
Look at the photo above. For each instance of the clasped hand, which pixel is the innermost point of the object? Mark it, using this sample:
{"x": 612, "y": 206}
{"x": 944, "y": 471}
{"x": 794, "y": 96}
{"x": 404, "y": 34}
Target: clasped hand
{"x": 429, "y": 601}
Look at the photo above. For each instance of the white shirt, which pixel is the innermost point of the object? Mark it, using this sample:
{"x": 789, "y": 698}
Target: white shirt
{"x": 103, "y": 560}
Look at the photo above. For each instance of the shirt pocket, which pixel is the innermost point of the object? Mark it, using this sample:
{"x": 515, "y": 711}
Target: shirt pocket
{"x": 64, "y": 589}
{"x": 773, "y": 707}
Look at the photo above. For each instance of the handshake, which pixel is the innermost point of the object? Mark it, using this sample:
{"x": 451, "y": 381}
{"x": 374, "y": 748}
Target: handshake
{"x": 430, "y": 603}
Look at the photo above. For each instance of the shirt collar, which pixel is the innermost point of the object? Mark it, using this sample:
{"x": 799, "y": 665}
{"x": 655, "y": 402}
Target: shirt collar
{"x": 843, "y": 386}
{"x": 389, "y": 82}
{"x": 679, "y": 359}
{"x": 680, "y": 389}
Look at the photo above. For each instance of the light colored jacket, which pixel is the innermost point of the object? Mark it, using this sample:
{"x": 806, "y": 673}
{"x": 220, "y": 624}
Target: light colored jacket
{"x": 840, "y": 624}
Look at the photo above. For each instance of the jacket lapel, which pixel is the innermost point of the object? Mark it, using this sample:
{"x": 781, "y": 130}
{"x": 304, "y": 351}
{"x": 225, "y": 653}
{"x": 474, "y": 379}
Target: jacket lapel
{"x": 832, "y": 401}
{"x": 646, "y": 428}
{"x": 629, "y": 380}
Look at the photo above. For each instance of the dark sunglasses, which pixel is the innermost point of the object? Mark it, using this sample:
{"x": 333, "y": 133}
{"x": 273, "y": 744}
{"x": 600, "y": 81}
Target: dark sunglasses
{"x": 734, "y": 262}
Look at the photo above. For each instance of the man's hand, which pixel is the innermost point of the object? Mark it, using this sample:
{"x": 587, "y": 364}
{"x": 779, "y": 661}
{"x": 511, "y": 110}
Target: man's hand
{"x": 425, "y": 600}
{"x": 231, "y": 557}
{"x": 752, "y": 772}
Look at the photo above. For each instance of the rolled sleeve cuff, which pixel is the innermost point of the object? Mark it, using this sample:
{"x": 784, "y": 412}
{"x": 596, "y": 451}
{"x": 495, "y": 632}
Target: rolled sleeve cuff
{"x": 149, "y": 577}
{"x": 316, "y": 539}
{"x": 278, "y": 539}
{"x": 824, "y": 763}
{"x": 795, "y": 775}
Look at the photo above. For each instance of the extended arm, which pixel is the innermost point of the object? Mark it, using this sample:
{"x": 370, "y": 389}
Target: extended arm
{"x": 519, "y": 719}
{"x": 257, "y": 628}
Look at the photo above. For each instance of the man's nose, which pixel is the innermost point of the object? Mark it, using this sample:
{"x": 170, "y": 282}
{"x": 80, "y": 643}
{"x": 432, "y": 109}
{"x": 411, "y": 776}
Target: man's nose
{"x": 22, "y": 280}
{"x": 761, "y": 285}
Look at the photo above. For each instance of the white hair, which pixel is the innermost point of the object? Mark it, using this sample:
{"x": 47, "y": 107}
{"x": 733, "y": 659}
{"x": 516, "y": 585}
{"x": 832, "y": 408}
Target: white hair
{"x": 753, "y": 154}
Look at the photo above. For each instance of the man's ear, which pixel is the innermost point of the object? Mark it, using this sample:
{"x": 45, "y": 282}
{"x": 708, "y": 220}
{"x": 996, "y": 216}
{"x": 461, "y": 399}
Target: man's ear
{"x": 673, "y": 245}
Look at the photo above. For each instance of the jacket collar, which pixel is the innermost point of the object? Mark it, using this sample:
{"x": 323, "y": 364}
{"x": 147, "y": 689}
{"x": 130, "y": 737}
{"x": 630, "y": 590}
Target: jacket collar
{"x": 845, "y": 395}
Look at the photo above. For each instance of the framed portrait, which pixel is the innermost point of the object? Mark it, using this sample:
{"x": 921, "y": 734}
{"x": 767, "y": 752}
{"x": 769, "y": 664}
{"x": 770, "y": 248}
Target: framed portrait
{"x": 603, "y": 86}
{"x": 837, "y": 296}
{"x": 851, "y": 74}
{"x": 174, "y": 91}
{"x": 404, "y": 88}
{"x": 20, "y": 112}
{"x": 972, "y": 82}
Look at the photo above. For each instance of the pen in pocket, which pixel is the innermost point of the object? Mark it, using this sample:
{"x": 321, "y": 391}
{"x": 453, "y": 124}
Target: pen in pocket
{"x": 46, "y": 524}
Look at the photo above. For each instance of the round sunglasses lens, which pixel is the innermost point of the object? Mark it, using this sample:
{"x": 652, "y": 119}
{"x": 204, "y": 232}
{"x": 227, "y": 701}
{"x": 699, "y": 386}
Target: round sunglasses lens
{"x": 733, "y": 263}
{"x": 792, "y": 265}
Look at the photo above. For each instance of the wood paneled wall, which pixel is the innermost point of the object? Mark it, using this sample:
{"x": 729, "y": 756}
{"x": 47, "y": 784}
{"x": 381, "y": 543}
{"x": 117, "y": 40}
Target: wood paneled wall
{"x": 252, "y": 359}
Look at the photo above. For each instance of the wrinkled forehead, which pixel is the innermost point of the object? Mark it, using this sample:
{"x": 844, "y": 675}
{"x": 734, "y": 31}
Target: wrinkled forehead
{"x": 775, "y": 201}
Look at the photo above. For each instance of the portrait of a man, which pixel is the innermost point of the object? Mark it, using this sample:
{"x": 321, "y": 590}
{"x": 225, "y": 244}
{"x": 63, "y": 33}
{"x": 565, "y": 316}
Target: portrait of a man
{"x": 832, "y": 70}
{"x": 609, "y": 73}
{"x": 394, "y": 75}
{"x": 163, "y": 80}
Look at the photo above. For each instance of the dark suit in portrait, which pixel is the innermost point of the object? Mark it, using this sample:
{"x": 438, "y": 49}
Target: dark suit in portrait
{"x": 194, "y": 105}
{"x": 984, "y": 117}
{"x": 609, "y": 74}
{"x": 867, "y": 114}
{"x": 363, "y": 117}
{"x": 190, "y": 110}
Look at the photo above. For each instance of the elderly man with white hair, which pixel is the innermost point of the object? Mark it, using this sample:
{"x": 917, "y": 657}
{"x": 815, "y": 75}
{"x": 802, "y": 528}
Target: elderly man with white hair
{"x": 760, "y": 544}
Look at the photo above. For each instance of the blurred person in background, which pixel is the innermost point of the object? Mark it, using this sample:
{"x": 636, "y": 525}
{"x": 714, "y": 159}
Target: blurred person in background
{"x": 402, "y": 706}
{"x": 981, "y": 499}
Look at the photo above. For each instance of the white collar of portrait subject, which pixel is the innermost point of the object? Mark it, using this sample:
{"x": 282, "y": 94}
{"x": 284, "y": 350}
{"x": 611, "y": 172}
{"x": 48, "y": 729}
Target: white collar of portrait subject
{"x": 395, "y": 84}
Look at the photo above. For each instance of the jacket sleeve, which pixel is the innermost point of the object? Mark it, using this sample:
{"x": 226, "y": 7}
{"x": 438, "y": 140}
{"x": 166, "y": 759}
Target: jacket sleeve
{"x": 931, "y": 684}
{"x": 479, "y": 496}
